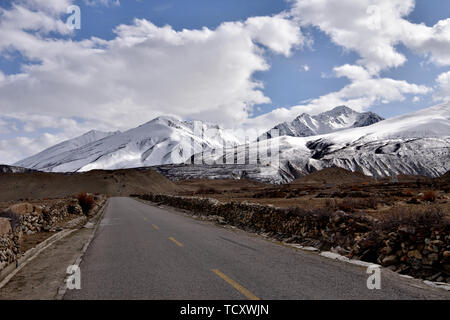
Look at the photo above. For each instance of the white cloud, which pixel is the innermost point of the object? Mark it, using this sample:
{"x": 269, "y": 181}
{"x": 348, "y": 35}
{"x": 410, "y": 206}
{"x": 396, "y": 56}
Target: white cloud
{"x": 146, "y": 71}
{"x": 305, "y": 68}
{"x": 374, "y": 27}
{"x": 21, "y": 147}
{"x": 362, "y": 92}
{"x": 443, "y": 91}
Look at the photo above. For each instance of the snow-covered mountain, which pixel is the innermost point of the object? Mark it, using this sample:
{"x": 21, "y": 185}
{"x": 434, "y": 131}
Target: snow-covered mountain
{"x": 161, "y": 141}
{"x": 416, "y": 143}
{"x": 339, "y": 118}
{"x": 49, "y": 157}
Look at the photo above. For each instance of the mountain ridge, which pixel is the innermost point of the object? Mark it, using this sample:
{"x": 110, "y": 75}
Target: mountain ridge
{"x": 338, "y": 118}
{"x": 415, "y": 143}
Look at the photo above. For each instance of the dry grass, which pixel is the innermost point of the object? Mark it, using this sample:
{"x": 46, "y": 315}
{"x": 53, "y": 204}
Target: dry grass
{"x": 430, "y": 216}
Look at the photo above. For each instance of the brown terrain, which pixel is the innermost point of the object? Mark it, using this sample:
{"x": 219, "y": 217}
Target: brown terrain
{"x": 336, "y": 189}
{"x": 40, "y": 185}
{"x": 331, "y": 188}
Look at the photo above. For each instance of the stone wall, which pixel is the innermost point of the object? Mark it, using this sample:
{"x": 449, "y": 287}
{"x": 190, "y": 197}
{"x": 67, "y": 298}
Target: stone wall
{"x": 421, "y": 249}
{"x": 26, "y": 218}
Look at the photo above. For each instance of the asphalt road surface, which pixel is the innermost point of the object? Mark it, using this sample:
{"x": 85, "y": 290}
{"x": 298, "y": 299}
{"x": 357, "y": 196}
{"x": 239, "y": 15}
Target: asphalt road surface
{"x": 142, "y": 251}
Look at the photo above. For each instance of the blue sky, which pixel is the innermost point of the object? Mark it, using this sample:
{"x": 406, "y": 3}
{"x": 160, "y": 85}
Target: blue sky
{"x": 297, "y": 74}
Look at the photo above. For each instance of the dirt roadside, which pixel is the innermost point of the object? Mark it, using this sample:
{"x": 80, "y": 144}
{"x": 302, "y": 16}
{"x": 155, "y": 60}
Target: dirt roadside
{"x": 41, "y": 278}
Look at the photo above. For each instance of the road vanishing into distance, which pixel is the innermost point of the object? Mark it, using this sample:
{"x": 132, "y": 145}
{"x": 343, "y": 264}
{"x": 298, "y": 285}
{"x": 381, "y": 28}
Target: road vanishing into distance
{"x": 143, "y": 251}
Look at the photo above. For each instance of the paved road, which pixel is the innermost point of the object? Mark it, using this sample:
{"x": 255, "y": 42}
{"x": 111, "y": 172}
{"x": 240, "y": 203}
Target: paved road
{"x": 145, "y": 252}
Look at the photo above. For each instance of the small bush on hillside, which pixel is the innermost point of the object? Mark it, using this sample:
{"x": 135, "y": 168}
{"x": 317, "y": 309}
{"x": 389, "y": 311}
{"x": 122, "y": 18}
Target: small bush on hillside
{"x": 429, "y": 196}
{"x": 86, "y": 202}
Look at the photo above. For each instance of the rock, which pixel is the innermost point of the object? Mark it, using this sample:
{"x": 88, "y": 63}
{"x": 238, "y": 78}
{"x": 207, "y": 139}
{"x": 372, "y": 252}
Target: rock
{"x": 446, "y": 254}
{"x": 21, "y": 208}
{"x": 386, "y": 250}
{"x": 430, "y": 259}
{"x": 389, "y": 260}
{"x": 415, "y": 253}
{"x": 5, "y": 226}
{"x": 38, "y": 209}
{"x": 407, "y": 229}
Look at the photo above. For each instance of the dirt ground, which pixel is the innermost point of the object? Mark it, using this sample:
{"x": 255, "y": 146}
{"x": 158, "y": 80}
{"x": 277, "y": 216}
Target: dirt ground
{"x": 41, "y": 185}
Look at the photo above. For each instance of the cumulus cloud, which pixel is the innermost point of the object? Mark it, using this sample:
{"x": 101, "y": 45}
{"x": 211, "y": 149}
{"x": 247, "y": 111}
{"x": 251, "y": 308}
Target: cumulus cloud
{"x": 148, "y": 70}
{"x": 443, "y": 91}
{"x": 21, "y": 147}
{"x": 373, "y": 28}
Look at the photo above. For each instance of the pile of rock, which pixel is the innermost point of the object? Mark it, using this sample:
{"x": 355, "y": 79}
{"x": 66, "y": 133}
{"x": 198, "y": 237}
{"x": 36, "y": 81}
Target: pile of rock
{"x": 422, "y": 252}
{"x": 29, "y": 219}
{"x": 26, "y": 218}
{"x": 9, "y": 243}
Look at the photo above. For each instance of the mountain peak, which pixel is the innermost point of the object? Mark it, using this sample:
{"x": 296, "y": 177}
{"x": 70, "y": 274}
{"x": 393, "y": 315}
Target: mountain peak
{"x": 338, "y": 118}
{"x": 341, "y": 109}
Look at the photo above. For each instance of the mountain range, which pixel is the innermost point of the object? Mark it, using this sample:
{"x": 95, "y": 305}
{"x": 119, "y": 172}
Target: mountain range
{"x": 163, "y": 140}
{"x": 416, "y": 143}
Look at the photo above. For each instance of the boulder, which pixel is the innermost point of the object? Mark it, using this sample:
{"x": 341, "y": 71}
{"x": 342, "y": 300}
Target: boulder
{"x": 389, "y": 260}
{"x": 5, "y": 226}
{"x": 21, "y": 208}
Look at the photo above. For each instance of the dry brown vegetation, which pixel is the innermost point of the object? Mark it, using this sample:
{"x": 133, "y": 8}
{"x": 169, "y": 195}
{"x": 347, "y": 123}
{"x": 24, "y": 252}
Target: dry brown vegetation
{"x": 344, "y": 191}
{"x": 86, "y": 202}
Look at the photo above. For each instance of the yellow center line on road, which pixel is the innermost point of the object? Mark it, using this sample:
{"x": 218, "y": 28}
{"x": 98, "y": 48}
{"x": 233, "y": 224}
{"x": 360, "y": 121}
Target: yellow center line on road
{"x": 176, "y": 242}
{"x": 236, "y": 285}
{"x": 155, "y": 227}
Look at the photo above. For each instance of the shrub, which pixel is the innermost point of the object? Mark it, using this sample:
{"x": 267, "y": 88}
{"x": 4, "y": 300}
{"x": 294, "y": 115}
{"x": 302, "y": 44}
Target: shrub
{"x": 429, "y": 196}
{"x": 86, "y": 202}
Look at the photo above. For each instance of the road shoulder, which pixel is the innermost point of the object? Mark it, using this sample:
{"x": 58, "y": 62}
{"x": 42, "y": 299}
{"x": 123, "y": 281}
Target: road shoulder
{"x": 41, "y": 278}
